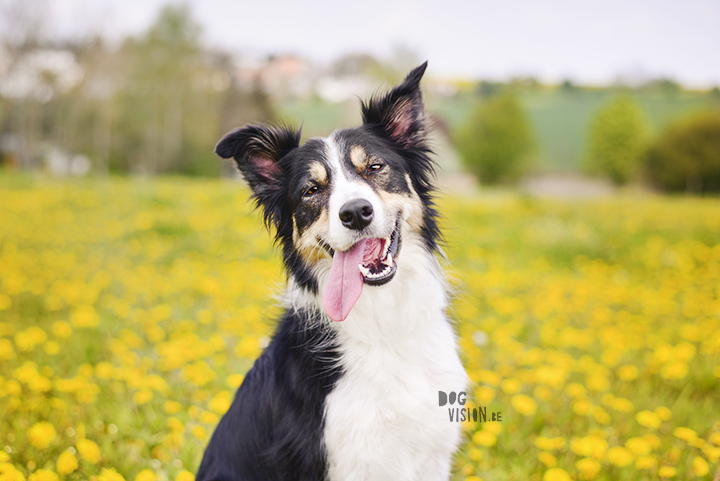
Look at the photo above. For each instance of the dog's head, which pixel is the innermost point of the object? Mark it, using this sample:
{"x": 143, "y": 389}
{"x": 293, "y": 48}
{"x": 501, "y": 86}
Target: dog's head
{"x": 345, "y": 203}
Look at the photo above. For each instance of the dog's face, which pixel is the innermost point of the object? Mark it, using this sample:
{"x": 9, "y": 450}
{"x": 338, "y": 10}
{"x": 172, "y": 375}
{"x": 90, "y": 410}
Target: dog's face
{"x": 349, "y": 198}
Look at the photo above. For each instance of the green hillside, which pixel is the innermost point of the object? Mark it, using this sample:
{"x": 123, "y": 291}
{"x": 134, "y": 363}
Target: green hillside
{"x": 560, "y": 118}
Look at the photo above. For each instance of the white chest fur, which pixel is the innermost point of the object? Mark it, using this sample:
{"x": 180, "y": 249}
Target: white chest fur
{"x": 398, "y": 350}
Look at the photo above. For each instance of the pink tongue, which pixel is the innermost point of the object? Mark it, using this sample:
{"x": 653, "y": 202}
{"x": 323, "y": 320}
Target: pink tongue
{"x": 345, "y": 283}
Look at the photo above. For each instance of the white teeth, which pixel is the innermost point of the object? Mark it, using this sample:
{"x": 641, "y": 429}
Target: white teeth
{"x": 367, "y": 274}
{"x": 388, "y": 260}
{"x": 364, "y": 271}
{"x": 387, "y": 246}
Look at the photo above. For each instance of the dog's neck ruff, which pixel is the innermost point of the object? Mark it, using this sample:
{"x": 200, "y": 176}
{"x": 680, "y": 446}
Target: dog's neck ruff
{"x": 396, "y": 350}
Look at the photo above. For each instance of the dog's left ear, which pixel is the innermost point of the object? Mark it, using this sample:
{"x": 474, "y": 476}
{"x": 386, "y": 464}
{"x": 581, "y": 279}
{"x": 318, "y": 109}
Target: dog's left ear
{"x": 399, "y": 114}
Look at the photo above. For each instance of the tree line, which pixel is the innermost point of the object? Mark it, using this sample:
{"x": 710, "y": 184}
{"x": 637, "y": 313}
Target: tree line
{"x": 497, "y": 144}
{"x": 156, "y": 104}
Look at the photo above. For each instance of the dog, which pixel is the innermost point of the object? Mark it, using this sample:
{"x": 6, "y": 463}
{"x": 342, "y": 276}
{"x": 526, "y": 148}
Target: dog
{"x": 347, "y": 388}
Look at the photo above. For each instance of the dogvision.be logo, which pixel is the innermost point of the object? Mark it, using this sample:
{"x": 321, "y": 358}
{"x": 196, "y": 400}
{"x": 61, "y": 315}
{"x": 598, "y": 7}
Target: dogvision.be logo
{"x": 462, "y": 414}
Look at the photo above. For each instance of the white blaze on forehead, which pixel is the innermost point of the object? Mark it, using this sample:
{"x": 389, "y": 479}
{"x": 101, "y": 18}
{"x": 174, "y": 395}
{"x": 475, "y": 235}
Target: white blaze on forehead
{"x": 346, "y": 187}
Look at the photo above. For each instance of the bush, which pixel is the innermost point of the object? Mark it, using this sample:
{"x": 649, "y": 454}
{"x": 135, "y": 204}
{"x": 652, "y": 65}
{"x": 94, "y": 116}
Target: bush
{"x": 497, "y": 140}
{"x": 686, "y": 156}
{"x": 617, "y": 140}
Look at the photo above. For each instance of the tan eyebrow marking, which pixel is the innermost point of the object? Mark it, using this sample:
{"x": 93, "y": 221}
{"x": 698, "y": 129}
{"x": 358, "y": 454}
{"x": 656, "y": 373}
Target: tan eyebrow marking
{"x": 318, "y": 172}
{"x": 358, "y": 157}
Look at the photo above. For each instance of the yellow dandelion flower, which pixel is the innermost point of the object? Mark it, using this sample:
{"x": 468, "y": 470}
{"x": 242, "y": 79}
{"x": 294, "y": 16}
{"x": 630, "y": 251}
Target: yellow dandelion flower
{"x": 686, "y": 434}
{"x": 41, "y": 434}
{"x": 490, "y": 377}
{"x": 589, "y": 446}
{"x": 543, "y": 393}
{"x": 209, "y": 418}
{"x": 648, "y": 419}
{"x": 619, "y": 456}
{"x": 7, "y": 351}
{"x": 600, "y": 415}
{"x": 715, "y": 438}
{"x": 645, "y": 462}
{"x": 248, "y": 347}
{"x": 638, "y": 446}
{"x": 547, "y": 459}
{"x": 549, "y": 444}
{"x": 627, "y": 373}
{"x": 172, "y": 407}
{"x": 663, "y": 413}
{"x": 89, "y": 451}
{"x": 581, "y": 407}
{"x": 61, "y": 329}
{"x": 110, "y": 475}
{"x": 685, "y": 351}
{"x": 199, "y": 432}
{"x": 667, "y": 472}
{"x": 143, "y": 396}
{"x": 185, "y": 476}
{"x": 221, "y": 402}
{"x": 575, "y": 390}
{"x": 556, "y": 474}
{"x": 597, "y": 382}
{"x": 484, "y": 438}
{"x": 174, "y": 424}
{"x": 711, "y": 452}
{"x": 104, "y": 370}
{"x": 146, "y": 475}
{"x": 622, "y": 405}
{"x": 43, "y": 475}
{"x": 523, "y": 404}
{"x": 85, "y": 316}
{"x": 674, "y": 370}
{"x": 484, "y": 394}
{"x": 700, "y": 466}
{"x": 5, "y": 301}
{"x": 66, "y": 463}
{"x": 475, "y": 454}
{"x": 234, "y": 380}
{"x": 473, "y": 478}
{"x": 511, "y": 386}
{"x": 8, "y": 472}
{"x": 588, "y": 468}
{"x": 468, "y": 469}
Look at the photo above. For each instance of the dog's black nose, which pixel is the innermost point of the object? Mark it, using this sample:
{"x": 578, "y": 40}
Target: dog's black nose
{"x": 356, "y": 214}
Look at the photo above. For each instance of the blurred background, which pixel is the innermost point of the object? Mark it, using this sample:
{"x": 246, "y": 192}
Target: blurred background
{"x": 554, "y": 97}
{"x": 137, "y": 287}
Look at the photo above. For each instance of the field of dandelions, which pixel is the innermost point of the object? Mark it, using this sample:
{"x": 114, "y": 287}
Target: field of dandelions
{"x": 130, "y": 310}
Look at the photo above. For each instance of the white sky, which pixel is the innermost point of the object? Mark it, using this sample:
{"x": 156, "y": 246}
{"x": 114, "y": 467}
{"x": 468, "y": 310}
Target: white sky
{"x": 586, "y": 41}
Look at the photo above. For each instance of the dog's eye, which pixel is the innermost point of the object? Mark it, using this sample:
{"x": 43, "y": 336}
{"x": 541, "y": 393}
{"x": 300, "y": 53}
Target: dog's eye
{"x": 311, "y": 191}
{"x": 375, "y": 168}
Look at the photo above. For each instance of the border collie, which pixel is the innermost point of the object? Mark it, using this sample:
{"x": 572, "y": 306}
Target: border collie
{"x": 348, "y": 387}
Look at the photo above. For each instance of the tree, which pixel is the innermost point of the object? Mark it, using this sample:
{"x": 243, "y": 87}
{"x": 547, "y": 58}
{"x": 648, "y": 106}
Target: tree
{"x": 686, "y": 156}
{"x": 617, "y": 140}
{"x": 497, "y": 140}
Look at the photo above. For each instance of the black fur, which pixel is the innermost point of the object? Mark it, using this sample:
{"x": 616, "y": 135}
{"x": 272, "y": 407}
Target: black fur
{"x": 274, "y": 427}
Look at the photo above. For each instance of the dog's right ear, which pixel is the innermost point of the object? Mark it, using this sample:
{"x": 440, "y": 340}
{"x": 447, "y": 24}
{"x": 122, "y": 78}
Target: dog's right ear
{"x": 257, "y": 149}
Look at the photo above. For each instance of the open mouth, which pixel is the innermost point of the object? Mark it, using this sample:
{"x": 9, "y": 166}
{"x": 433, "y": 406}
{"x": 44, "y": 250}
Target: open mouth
{"x": 370, "y": 261}
{"x": 378, "y": 264}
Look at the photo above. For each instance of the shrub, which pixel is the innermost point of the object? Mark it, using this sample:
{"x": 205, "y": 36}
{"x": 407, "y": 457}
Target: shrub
{"x": 617, "y": 140}
{"x": 496, "y": 141}
{"x": 686, "y": 156}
